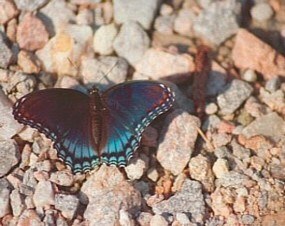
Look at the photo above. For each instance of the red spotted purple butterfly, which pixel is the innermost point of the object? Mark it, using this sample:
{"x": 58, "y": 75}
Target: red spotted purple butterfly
{"x": 88, "y": 130}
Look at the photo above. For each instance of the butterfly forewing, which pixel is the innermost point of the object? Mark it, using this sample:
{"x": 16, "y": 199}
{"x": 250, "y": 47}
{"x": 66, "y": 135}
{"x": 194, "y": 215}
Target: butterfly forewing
{"x": 63, "y": 115}
{"x": 133, "y": 106}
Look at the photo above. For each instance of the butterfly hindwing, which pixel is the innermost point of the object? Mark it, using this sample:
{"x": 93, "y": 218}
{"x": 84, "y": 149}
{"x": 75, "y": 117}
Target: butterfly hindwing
{"x": 133, "y": 106}
{"x": 63, "y": 116}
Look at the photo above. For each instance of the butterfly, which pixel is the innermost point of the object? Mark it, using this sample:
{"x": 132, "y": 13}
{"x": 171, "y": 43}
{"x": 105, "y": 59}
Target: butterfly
{"x": 95, "y": 128}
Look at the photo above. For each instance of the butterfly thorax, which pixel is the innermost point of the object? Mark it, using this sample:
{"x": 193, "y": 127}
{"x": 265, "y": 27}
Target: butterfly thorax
{"x": 98, "y": 114}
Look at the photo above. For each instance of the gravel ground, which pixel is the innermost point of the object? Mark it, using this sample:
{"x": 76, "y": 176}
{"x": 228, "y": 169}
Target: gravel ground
{"x": 216, "y": 158}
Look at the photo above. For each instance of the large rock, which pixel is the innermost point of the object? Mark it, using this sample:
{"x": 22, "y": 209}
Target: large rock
{"x": 251, "y": 52}
{"x": 108, "y": 193}
{"x": 177, "y": 141}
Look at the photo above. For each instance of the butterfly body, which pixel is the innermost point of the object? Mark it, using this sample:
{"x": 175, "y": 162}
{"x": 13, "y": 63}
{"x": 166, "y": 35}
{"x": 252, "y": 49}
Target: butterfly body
{"x": 88, "y": 130}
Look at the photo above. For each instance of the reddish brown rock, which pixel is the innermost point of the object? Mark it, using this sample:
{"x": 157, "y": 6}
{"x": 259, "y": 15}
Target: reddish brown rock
{"x": 251, "y": 52}
{"x": 31, "y": 33}
{"x": 7, "y": 11}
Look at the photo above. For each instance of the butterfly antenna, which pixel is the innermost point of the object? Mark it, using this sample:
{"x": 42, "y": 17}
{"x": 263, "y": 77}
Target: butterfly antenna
{"x": 108, "y": 72}
{"x": 73, "y": 64}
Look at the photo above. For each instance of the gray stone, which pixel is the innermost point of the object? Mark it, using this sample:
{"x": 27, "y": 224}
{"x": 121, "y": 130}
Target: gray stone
{"x": 233, "y": 96}
{"x": 271, "y": 125}
{"x": 177, "y": 141}
{"x": 216, "y": 82}
{"x": 55, "y": 15}
{"x": 6, "y": 54}
{"x": 67, "y": 204}
{"x": 63, "y": 178}
{"x": 8, "y": 125}
{"x": 140, "y": 11}
{"x": 164, "y": 24}
{"x": 103, "y": 39}
{"x": 261, "y": 11}
{"x": 131, "y": 42}
{"x": 233, "y": 179}
{"x": 28, "y": 5}
{"x": 188, "y": 200}
{"x": 104, "y": 72}
{"x": 9, "y": 155}
{"x": 44, "y": 194}
{"x": 218, "y": 22}
{"x": 239, "y": 151}
{"x": 17, "y": 202}
{"x": 108, "y": 193}
{"x": 273, "y": 84}
{"x": 4, "y": 201}
{"x": 247, "y": 219}
{"x": 211, "y": 123}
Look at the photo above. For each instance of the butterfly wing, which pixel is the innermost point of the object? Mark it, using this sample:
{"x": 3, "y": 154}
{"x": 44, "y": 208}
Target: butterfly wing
{"x": 63, "y": 116}
{"x": 133, "y": 106}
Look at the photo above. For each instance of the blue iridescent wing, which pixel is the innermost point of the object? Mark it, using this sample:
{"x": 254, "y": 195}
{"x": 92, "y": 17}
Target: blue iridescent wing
{"x": 63, "y": 115}
{"x": 133, "y": 106}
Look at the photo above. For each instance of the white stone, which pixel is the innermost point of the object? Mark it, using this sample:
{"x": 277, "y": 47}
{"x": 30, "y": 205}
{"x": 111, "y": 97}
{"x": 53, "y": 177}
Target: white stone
{"x": 103, "y": 39}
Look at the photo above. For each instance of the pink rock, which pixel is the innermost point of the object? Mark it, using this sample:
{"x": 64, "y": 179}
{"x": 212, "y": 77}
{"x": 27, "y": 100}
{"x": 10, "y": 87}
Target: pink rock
{"x": 31, "y": 33}
{"x": 251, "y": 52}
{"x": 177, "y": 145}
{"x": 7, "y": 11}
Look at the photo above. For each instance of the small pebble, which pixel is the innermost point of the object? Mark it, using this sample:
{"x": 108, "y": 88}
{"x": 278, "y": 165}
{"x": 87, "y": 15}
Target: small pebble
{"x": 211, "y": 108}
{"x": 261, "y": 11}
{"x": 136, "y": 167}
{"x": 273, "y": 84}
{"x": 220, "y": 167}
{"x": 152, "y": 174}
{"x": 103, "y": 39}
{"x": 247, "y": 219}
{"x": 249, "y": 75}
